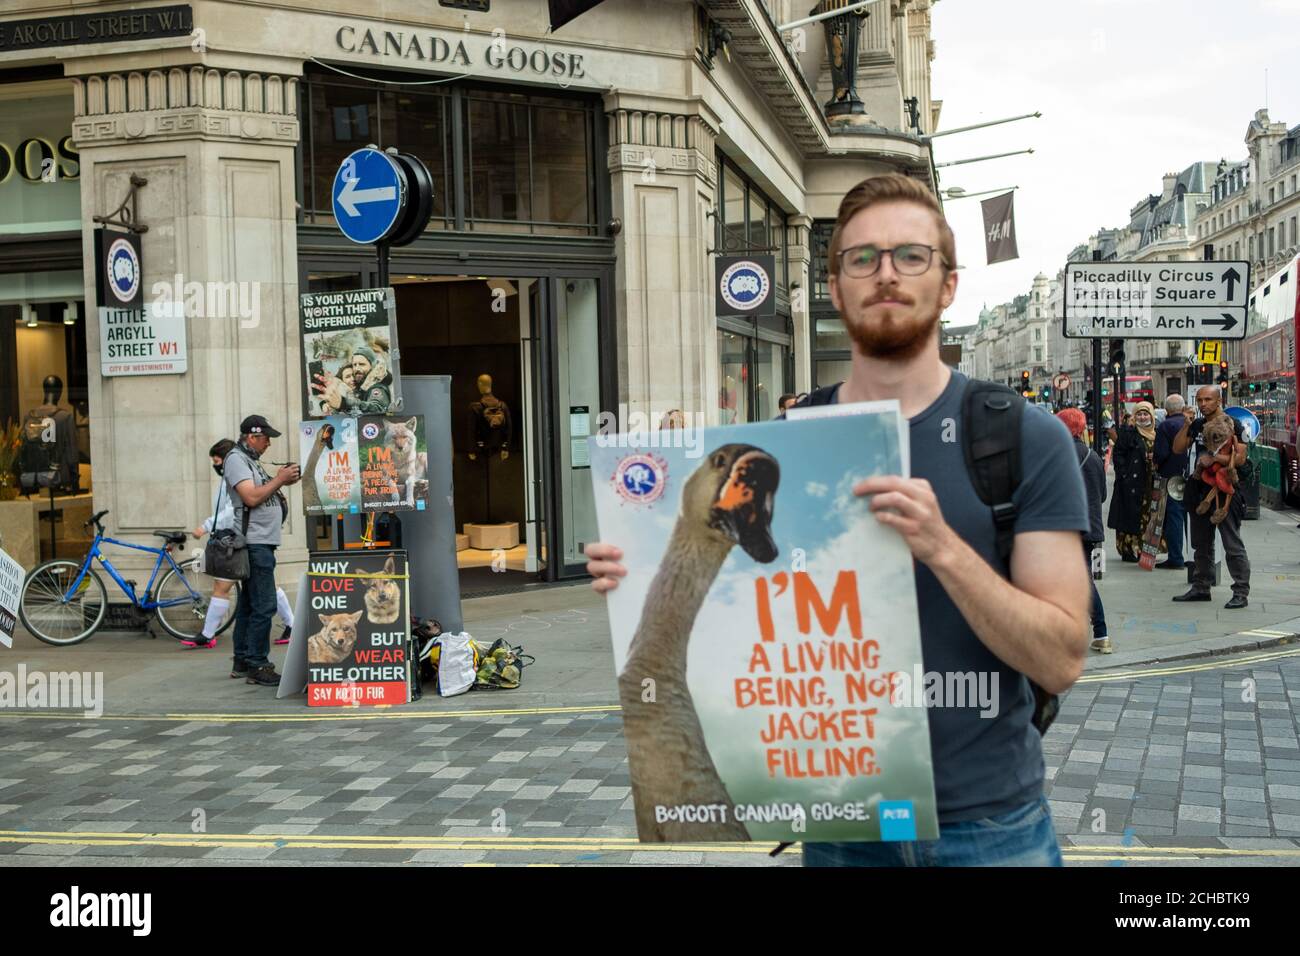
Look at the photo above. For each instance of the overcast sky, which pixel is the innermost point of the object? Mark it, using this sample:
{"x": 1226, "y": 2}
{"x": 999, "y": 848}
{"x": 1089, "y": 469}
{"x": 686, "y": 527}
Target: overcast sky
{"x": 1129, "y": 90}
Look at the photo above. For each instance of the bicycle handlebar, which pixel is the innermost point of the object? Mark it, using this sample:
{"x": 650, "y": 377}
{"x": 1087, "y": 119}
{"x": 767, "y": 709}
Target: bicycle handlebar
{"x": 94, "y": 519}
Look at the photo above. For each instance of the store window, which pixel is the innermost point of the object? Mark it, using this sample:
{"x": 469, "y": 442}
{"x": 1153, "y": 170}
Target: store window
{"x": 831, "y": 345}
{"x": 527, "y": 162}
{"x": 755, "y": 356}
{"x": 733, "y": 378}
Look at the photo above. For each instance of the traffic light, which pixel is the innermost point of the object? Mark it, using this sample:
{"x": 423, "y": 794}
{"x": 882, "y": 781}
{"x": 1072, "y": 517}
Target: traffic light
{"x": 1223, "y": 373}
{"x": 1024, "y": 384}
{"x": 1116, "y": 355}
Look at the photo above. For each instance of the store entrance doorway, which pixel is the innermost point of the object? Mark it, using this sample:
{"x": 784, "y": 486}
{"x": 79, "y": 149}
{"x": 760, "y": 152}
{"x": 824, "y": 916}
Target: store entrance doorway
{"x": 475, "y": 330}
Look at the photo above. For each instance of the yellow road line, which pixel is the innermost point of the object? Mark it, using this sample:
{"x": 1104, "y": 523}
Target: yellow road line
{"x": 363, "y": 842}
{"x": 1224, "y": 664}
{"x": 349, "y": 714}
{"x": 578, "y": 845}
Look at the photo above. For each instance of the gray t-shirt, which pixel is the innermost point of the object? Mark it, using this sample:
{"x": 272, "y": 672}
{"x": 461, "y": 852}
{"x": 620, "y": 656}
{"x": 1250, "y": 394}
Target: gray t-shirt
{"x": 986, "y": 766}
{"x": 265, "y": 519}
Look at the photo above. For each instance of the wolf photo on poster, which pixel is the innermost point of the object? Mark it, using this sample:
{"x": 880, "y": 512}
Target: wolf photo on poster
{"x": 760, "y": 631}
{"x": 331, "y": 469}
{"x": 349, "y": 347}
{"x": 358, "y": 628}
{"x": 394, "y": 463}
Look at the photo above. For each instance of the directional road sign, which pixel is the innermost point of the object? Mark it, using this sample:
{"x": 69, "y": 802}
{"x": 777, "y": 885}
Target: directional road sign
{"x": 1061, "y": 382}
{"x": 1156, "y": 300}
{"x": 369, "y": 195}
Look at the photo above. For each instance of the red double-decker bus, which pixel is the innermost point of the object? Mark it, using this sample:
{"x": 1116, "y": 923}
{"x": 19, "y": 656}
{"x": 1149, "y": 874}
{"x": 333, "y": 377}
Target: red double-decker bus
{"x": 1269, "y": 369}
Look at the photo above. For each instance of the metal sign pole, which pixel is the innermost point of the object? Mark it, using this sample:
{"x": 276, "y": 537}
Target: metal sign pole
{"x": 1097, "y": 443}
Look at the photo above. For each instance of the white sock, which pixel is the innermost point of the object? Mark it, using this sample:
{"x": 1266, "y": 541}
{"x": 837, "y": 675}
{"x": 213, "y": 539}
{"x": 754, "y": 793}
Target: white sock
{"x": 217, "y": 608}
{"x": 284, "y": 608}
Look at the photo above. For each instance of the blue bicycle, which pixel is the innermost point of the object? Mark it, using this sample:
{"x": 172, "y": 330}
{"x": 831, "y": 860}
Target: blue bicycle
{"x": 64, "y": 602}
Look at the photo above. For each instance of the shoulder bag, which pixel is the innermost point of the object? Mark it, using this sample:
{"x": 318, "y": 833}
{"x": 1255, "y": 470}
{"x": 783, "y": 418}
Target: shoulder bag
{"x": 226, "y": 554}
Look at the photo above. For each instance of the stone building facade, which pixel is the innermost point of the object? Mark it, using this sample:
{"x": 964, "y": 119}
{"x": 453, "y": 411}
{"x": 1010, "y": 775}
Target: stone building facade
{"x": 592, "y": 173}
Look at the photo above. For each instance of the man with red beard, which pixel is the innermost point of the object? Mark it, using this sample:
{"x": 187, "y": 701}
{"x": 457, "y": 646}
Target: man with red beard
{"x": 892, "y": 263}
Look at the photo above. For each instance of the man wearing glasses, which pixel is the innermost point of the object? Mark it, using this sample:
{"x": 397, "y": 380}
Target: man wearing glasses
{"x": 892, "y": 268}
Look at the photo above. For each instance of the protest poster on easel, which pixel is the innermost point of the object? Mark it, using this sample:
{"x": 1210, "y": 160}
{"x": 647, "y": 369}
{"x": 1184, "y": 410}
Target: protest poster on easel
{"x": 356, "y": 629}
{"x": 11, "y": 587}
{"x": 366, "y": 464}
{"x": 764, "y": 632}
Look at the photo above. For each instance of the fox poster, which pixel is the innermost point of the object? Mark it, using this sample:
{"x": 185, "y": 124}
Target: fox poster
{"x": 371, "y": 463}
{"x": 762, "y": 633}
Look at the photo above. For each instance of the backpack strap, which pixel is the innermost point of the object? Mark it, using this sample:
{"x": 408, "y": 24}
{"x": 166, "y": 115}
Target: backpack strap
{"x": 991, "y": 416}
{"x": 819, "y": 396}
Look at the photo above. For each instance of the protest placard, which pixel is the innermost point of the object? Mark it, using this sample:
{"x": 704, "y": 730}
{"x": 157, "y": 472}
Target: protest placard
{"x": 358, "y": 626}
{"x": 760, "y": 633}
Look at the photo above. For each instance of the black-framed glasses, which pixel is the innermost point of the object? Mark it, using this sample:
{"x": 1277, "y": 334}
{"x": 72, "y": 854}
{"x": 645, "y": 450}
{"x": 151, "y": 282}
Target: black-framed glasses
{"x": 910, "y": 259}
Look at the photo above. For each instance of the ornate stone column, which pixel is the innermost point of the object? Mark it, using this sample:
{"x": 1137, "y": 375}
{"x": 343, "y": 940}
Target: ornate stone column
{"x": 217, "y": 149}
{"x": 799, "y": 240}
{"x": 663, "y": 175}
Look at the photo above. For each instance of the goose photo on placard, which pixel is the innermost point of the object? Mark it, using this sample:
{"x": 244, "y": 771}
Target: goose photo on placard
{"x": 755, "y": 634}
{"x": 331, "y": 466}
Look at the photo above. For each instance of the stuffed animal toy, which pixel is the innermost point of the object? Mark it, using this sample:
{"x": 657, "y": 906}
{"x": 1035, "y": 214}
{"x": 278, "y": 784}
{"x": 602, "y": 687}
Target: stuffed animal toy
{"x": 1221, "y": 474}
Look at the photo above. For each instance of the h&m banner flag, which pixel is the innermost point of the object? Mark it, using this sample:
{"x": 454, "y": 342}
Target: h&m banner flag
{"x": 1000, "y": 228}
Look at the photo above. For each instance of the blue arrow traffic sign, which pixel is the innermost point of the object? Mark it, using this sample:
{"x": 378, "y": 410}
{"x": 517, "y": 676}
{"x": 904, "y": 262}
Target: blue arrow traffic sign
{"x": 369, "y": 195}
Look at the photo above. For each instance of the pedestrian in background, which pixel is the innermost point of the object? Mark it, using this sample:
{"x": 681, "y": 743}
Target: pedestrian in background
{"x": 1094, "y": 484}
{"x": 1172, "y": 467}
{"x": 253, "y": 490}
{"x": 223, "y": 517}
{"x": 1192, "y": 436}
{"x": 1130, "y": 505}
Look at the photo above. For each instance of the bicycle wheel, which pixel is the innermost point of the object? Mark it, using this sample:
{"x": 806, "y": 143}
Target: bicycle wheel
{"x": 185, "y": 621}
{"x": 48, "y": 616}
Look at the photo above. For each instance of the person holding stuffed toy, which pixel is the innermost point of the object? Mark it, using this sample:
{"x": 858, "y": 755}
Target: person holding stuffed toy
{"x": 1220, "y": 446}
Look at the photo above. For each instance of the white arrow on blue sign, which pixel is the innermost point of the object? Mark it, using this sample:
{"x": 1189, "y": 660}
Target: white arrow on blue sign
{"x": 369, "y": 195}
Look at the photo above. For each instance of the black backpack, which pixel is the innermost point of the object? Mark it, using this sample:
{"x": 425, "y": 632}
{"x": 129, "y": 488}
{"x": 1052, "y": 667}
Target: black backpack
{"x": 990, "y": 437}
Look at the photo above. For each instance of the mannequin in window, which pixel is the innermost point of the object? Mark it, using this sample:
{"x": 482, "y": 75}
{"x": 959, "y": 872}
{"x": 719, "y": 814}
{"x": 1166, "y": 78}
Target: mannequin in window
{"x": 489, "y": 423}
{"x": 49, "y": 456}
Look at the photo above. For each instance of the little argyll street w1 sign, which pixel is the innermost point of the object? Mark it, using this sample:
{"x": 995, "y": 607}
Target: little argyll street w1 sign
{"x": 1156, "y": 300}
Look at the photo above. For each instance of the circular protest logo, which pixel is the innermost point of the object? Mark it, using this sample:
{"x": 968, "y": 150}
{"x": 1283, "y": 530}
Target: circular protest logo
{"x": 123, "y": 270}
{"x": 641, "y": 478}
{"x": 745, "y": 285}
{"x": 308, "y": 431}
{"x": 369, "y": 430}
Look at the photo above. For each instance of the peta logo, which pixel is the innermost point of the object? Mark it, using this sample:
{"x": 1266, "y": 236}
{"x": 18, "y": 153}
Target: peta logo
{"x": 745, "y": 285}
{"x": 77, "y": 909}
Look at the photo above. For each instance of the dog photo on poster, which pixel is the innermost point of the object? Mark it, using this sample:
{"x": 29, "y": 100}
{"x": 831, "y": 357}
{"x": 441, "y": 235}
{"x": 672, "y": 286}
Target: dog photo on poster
{"x": 394, "y": 463}
{"x": 358, "y": 626}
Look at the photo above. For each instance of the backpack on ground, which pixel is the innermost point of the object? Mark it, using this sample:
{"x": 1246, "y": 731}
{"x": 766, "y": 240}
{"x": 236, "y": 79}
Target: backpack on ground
{"x": 502, "y": 666}
{"x": 990, "y": 436}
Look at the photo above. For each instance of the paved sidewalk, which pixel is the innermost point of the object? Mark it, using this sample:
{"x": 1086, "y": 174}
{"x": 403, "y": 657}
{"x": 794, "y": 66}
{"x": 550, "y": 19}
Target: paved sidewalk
{"x": 1146, "y": 625}
{"x": 566, "y": 628}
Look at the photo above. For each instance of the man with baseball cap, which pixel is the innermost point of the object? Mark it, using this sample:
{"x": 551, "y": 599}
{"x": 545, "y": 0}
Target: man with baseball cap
{"x": 258, "y": 495}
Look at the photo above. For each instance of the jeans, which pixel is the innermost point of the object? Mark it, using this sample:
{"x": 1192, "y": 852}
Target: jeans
{"x": 257, "y": 606}
{"x": 1234, "y": 550}
{"x": 1098, "y": 612}
{"x": 1023, "y": 837}
{"x": 1174, "y": 512}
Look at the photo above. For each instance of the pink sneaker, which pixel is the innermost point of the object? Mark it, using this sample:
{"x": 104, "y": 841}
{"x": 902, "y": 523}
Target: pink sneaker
{"x": 212, "y": 642}
{"x": 284, "y": 637}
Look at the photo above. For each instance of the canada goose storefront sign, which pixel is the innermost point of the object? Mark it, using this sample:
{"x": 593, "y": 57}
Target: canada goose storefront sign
{"x": 641, "y": 479}
{"x": 118, "y": 268}
{"x": 759, "y": 633}
{"x": 744, "y": 285}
